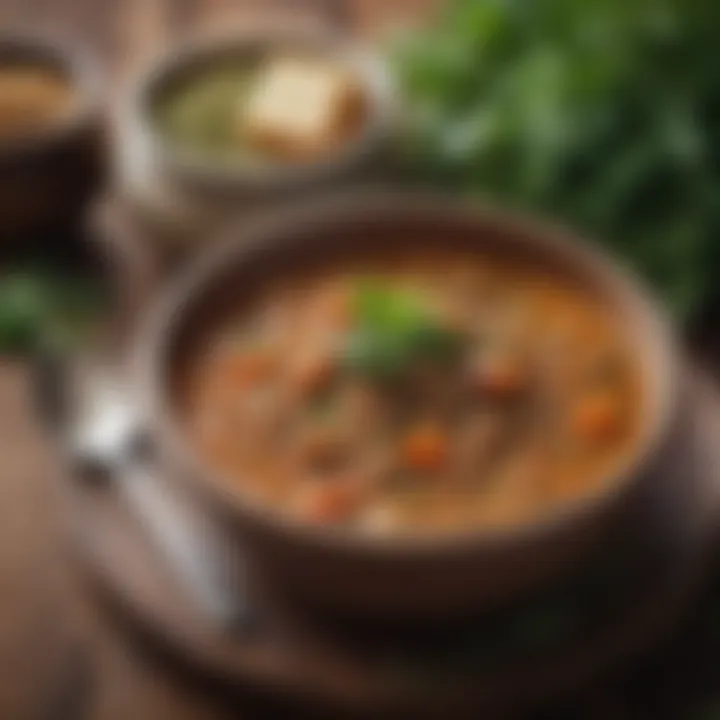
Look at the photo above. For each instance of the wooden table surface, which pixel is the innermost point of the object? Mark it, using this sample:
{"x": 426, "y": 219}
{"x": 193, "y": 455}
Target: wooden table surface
{"x": 57, "y": 643}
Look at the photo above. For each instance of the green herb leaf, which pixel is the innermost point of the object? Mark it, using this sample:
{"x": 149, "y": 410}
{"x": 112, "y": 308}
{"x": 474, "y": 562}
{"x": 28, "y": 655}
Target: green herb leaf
{"x": 395, "y": 332}
{"x": 37, "y": 308}
{"x": 605, "y": 113}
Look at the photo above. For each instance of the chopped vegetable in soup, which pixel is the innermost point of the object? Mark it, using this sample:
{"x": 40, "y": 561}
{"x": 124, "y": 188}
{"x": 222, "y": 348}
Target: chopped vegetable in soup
{"x": 436, "y": 395}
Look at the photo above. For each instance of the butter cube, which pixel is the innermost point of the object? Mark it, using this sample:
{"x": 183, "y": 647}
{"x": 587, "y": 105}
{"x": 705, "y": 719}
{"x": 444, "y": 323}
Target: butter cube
{"x": 300, "y": 108}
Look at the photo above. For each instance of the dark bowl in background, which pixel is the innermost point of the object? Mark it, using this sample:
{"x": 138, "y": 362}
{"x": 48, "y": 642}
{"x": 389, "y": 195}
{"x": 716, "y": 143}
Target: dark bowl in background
{"x": 48, "y": 177}
{"x": 405, "y": 577}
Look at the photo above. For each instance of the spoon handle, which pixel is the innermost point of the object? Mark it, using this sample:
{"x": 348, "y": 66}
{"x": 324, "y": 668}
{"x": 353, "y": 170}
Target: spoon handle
{"x": 201, "y": 561}
{"x": 103, "y": 443}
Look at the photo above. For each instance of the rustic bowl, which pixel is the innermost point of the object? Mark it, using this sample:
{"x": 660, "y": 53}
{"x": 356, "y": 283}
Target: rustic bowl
{"x": 408, "y": 577}
{"x": 47, "y": 178}
{"x": 180, "y": 194}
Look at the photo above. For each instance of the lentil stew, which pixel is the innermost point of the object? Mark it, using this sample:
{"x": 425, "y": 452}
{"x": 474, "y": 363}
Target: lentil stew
{"x": 432, "y": 393}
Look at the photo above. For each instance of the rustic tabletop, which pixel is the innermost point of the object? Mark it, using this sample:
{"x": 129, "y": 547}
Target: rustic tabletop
{"x": 60, "y": 651}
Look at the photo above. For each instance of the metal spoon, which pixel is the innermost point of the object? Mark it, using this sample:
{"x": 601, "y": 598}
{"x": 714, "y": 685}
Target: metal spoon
{"x": 107, "y": 439}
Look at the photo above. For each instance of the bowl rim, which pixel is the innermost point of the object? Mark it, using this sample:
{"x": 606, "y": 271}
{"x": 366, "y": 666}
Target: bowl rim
{"x": 76, "y": 66}
{"x": 189, "y": 167}
{"x": 152, "y": 351}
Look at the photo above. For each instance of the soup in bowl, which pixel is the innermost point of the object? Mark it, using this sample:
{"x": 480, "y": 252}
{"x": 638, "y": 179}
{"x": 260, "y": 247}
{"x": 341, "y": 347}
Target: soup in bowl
{"x": 416, "y": 394}
{"x": 402, "y": 403}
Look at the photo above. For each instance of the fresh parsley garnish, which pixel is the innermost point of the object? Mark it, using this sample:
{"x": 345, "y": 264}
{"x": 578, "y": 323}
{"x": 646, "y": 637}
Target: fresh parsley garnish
{"x": 393, "y": 332}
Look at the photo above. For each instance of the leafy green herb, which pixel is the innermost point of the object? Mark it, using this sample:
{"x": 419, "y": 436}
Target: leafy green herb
{"x": 605, "y": 113}
{"x": 25, "y": 304}
{"x": 37, "y": 308}
{"x": 394, "y": 332}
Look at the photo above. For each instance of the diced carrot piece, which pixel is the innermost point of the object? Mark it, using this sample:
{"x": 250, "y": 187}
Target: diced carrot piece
{"x": 334, "y": 501}
{"x": 598, "y": 417}
{"x": 425, "y": 448}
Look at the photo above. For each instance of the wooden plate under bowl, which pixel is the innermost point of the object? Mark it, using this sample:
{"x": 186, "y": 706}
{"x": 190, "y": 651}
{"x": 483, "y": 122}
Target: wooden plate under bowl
{"x": 308, "y": 663}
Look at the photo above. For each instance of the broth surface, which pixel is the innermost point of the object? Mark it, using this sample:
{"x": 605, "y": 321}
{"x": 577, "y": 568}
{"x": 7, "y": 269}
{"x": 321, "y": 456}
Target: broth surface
{"x": 427, "y": 395}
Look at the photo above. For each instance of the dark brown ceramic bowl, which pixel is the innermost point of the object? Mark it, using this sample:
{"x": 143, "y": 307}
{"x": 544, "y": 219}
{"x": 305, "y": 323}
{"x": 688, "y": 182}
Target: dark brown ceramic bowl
{"x": 47, "y": 176}
{"x": 406, "y": 576}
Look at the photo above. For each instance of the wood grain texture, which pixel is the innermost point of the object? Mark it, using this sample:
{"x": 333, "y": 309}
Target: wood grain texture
{"x": 33, "y": 638}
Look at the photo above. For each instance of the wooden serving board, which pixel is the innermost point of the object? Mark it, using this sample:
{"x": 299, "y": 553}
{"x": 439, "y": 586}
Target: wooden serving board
{"x": 276, "y": 659}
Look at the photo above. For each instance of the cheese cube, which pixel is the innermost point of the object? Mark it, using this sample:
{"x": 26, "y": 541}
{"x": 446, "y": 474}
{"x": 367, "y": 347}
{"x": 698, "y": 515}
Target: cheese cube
{"x": 300, "y": 108}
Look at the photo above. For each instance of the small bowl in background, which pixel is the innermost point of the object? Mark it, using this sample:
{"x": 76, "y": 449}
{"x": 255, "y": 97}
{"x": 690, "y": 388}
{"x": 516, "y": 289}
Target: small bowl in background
{"x": 49, "y": 173}
{"x": 182, "y": 196}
